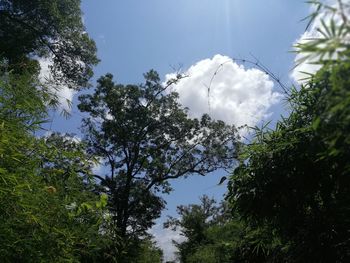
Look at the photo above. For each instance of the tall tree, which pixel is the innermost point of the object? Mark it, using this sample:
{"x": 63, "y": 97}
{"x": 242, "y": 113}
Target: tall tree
{"x": 146, "y": 138}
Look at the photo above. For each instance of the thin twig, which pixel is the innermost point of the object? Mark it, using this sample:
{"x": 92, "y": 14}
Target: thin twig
{"x": 255, "y": 63}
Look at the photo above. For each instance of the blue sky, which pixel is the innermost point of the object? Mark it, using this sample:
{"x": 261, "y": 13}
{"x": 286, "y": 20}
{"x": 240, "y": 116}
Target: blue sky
{"x": 134, "y": 36}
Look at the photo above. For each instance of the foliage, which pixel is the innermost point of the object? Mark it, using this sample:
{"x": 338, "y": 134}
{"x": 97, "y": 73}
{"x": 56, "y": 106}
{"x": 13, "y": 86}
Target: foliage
{"x": 294, "y": 179}
{"x": 47, "y": 29}
{"x": 146, "y": 138}
{"x": 334, "y": 30}
{"x": 193, "y": 223}
{"x": 142, "y": 251}
{"x": 48, "y": 212}
{"x": 214, "y": 236}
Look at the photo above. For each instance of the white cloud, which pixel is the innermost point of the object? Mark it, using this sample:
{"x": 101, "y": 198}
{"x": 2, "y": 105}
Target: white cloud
{"x": 67, "y": 137}
{"x": 164, "y": 238}
{"x": 307, "y": 67}
{"x": 310, "y": 65}
{"x": 237, "y": 95}
{"x": 62, "y": 92}
{"x": 301, "y": 71}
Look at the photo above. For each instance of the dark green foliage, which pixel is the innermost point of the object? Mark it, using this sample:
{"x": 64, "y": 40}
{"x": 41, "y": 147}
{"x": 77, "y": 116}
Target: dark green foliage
{"x": 145, "y": 138}
{"x": 294, "y": 179}
{"x": 297, "y": 176}
{"x": 143, "y": 250}
{"x": 47, "y": 29}
{"x": 149, "y": 253}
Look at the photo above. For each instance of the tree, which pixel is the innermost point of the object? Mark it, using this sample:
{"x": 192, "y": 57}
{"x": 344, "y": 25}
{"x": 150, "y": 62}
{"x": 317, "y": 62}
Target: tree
{"x": 213, "y": 235}
{"x": 146, "y": 138}
{"x": 193, "y": 223}
{"x": 47, "y": 29}
{"x": 294, "y": 179}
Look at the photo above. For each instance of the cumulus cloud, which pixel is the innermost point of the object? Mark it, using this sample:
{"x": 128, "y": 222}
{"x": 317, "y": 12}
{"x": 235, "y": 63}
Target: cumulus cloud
{"x": 309, "y": 65}
{"x": 62, "y": 92}
{"x": 237, "y": 95}
{"x": 164, "y": 238}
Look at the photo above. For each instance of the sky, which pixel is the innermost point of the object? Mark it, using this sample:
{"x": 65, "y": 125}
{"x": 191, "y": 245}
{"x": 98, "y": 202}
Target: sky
{"x": 200, "y": 38}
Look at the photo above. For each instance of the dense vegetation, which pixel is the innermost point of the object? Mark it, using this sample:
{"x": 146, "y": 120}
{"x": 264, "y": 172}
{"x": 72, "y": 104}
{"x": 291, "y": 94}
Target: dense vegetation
{"x": 288, "y": 198}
